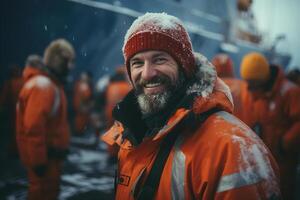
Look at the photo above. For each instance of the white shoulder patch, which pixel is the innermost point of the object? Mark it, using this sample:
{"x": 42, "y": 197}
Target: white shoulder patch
{"x": 39, "y": 81}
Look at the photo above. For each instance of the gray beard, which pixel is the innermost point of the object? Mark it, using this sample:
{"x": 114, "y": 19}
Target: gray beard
{"x": 150, "y": 104}
{"x": 153, "y": 103}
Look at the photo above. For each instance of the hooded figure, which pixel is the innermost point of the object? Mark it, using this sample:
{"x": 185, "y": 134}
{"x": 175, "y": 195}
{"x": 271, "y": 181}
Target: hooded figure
{"x": 82, "y": 102}
{"x": 177, "y": 92}
{"x": 241, "y": 100}
{"x": 275, "y": 115}
{"x": 42, "y": 127}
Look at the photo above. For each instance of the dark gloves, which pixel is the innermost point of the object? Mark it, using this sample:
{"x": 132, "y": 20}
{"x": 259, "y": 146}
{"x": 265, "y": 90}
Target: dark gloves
{"x": 40, "y": 170}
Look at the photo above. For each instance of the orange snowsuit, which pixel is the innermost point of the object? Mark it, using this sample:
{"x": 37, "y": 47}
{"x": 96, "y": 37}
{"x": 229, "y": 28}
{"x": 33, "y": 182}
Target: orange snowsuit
{"x": 219, "y": 159}
{"x": 277, "y": 112}
{"x": 115, "y": 92}
{"x": 242, "y": 102}
{"x": 82, "y": 100}
{"x": 42, "y": 132}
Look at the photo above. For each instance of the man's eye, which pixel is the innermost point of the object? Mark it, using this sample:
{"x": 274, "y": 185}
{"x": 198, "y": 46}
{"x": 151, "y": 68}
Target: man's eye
{"x": 136, "y": 64}
{"x": 160, "y": 60}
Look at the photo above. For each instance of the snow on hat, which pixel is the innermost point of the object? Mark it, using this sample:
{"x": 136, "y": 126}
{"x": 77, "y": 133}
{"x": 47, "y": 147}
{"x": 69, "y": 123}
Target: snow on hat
{"x": 160, "y": 31}
{"x": 255, "y": 66}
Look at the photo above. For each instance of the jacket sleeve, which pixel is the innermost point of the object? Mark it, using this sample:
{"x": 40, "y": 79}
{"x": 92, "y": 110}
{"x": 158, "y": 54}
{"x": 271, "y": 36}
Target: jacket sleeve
{"x": 291, "y": 139}
{"x": 247, "y": 171}
{"x": 238, "y": 167}
{"x": 36, "y": 111}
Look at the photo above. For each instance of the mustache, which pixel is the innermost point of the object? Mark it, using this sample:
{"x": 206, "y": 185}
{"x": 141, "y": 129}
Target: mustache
{"x": 163, "y": 79}
{"x": 157, "y": 79}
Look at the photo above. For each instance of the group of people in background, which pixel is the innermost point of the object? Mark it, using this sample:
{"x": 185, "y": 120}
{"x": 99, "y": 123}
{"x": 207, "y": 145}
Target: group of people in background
{"x": 264, "y": 99}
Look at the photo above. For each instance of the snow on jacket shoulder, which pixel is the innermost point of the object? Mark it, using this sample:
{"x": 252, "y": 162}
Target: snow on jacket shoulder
{"x": 41, "y": 118}
{"x": 219, "y": 159}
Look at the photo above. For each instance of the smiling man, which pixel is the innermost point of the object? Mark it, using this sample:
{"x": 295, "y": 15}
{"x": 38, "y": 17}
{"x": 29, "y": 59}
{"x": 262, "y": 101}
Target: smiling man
{"x": 177, "y": 137}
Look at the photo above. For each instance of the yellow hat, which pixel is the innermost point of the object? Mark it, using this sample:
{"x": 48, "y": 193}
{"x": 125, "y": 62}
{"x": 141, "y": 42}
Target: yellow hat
{"x": 255, "y": 66}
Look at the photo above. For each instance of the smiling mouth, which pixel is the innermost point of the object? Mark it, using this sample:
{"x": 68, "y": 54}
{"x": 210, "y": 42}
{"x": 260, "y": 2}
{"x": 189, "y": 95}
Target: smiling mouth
{"x": 154, "y": 88}
{"x": 152, "y": 85}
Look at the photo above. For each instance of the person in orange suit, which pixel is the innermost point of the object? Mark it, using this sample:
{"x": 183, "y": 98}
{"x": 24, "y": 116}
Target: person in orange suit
{"x": 42, "y": 128}
{"x": 179, "y": 104}
{"x": 276, "y": 114}
{"x": 82, "y": 102}
{"x": 116, "y": 90}
{"x": 8, "y": 101}
{"x": 241, "y": 100}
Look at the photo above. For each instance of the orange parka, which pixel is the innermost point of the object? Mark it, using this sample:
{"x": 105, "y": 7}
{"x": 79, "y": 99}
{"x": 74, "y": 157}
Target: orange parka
{"x": 241, "y": 98}
{"x": 238, "y": 88}
{"x": 115, "y": 92}
{"x": 42, "y": 127}
{"x": 82, "y": 99}
{"x": 277, "y": 113}
{"x": 219, "y": 159}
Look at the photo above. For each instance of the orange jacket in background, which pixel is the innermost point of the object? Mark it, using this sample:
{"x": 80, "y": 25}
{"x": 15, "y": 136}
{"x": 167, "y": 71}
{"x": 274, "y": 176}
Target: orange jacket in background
{"x": 239, "y": 92}
{"x": 42, "y": 127}
{"x": 220, "y": 159}
{"x": 82, "y": 95}
{"x": 225, "y": 70}
{"x": 82, "y": 103}
{"x": 115, "y": 92}
{"x": 278, "y": 115}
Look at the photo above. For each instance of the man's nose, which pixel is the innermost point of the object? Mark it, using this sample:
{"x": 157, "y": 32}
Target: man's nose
{"x": 148, "y": 71}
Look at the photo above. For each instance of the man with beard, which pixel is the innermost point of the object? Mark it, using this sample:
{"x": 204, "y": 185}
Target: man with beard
{"x": 42, "y": 127}
{"x": 177, "y": 137}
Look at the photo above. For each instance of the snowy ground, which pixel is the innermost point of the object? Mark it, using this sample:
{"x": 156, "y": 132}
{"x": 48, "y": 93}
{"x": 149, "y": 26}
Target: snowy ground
{"x": 87, "y": 174}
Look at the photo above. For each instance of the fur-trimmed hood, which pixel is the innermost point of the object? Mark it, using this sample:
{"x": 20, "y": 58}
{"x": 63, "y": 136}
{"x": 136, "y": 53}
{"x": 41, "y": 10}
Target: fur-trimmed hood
{"x": 210, "y": 91}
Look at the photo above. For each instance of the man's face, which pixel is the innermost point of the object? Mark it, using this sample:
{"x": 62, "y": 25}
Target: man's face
{"x": 155, "y": 76}
{"x": 64, "y": 69}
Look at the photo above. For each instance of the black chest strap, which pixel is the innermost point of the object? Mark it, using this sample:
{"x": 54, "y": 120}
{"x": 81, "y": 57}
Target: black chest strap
{"x": 150, "y": 186}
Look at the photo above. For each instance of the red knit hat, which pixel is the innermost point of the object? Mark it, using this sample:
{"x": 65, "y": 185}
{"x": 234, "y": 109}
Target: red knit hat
{"x": 223, "y": 64}
{"x": 163, "y": 32}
